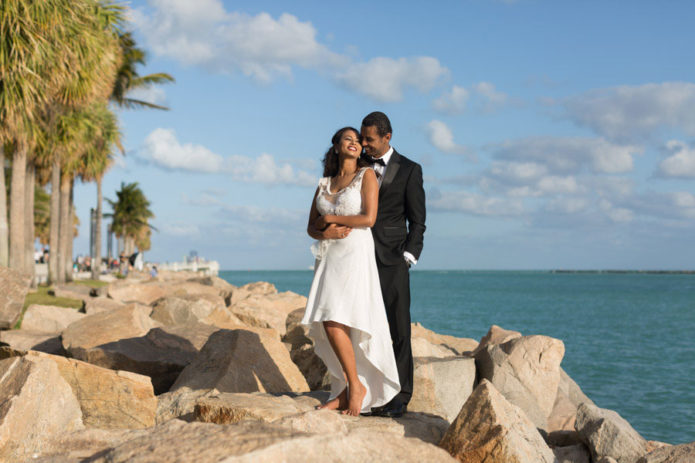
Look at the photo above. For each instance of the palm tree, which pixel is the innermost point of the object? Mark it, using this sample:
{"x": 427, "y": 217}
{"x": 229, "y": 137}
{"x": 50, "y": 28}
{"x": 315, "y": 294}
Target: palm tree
{"x": 4, "y": 235}
{"x": 52, "y": 50}
{"x": 96, "y": 161}
{"x": 128, "y": 79}
{"x": 130, "y": 215}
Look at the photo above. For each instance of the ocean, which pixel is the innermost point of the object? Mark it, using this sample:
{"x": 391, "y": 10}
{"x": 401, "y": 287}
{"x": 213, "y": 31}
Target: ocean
{"x": 629, "y": 337}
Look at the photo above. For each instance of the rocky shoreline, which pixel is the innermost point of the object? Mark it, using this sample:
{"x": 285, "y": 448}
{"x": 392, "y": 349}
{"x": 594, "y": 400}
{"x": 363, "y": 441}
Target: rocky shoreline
{"x": 188, "y": 368}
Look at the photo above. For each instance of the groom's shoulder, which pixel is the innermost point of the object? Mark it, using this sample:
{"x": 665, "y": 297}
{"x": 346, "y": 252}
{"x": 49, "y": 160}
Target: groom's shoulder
{"x": 404, "y": 160}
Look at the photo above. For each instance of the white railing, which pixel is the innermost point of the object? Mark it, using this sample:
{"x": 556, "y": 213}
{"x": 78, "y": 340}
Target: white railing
{"x": 208, "y": 268}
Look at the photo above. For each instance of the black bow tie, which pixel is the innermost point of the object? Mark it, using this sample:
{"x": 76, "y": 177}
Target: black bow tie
{"x": 376, "y": 161}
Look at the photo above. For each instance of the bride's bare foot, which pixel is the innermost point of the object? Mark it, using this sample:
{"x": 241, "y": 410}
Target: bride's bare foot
{"x": 339, "y": 403}
{"x": 355, "y": 399}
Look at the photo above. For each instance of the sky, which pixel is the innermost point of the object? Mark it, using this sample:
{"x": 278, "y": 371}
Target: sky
{"x": 552, "y": 134}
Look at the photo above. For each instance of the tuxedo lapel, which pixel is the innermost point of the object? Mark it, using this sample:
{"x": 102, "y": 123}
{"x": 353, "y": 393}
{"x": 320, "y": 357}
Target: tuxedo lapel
{"x": 391, "y": 170}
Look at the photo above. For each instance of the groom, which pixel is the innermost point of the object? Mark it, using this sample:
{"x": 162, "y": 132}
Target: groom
{"x": 398, "y": 235}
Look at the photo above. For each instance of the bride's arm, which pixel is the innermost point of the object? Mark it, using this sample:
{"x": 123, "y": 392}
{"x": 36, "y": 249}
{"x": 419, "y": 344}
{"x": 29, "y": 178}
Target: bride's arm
{"x": 370, "y": 200}
{"x": 332, "y": 231}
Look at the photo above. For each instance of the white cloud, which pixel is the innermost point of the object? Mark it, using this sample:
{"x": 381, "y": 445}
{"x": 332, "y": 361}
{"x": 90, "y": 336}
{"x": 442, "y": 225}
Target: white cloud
{"x": 253, "y": 214}
{"x": 180, "y": 229}
{"x": 442, "y": 138}
{"x": 635, "y": 111}
{"x": 150, "y": 94}
{"x": 567, "y": 205}
{"x": 555, "y": 185}
{"x": 162, "y": 148}
{"x": 518, "y": 171}
{"x": 476, "y": 204}
{"x": 681, "y": 163}
{"x": 493, "y": 98}
{"x": 204, "y": 34}
{"x": 453, "y": 102}
{"x": 565, "y": 155}
{"x": 385, "y": 79}
{"x": 616, "y": 214}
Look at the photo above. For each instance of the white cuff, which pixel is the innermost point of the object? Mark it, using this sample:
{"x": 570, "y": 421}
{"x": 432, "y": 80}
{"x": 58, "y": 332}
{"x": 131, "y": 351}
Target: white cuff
{"x": 409, "y": 258}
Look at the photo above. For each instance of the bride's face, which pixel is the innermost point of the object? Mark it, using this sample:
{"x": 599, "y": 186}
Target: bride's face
{"x": 349, "y": 144}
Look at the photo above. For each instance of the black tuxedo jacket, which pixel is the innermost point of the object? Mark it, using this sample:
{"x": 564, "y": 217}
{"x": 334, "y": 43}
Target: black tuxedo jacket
{"x": 400, "y": 220}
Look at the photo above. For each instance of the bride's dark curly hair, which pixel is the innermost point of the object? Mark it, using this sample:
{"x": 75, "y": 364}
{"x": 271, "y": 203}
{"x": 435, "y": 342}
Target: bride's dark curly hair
{"x": 331, "y": 162}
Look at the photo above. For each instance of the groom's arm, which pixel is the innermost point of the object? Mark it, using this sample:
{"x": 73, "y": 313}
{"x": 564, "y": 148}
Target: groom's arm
{"x": 415, "y": 212}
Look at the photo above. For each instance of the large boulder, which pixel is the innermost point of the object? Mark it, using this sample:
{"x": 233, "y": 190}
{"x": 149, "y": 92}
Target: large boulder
{"x": 526, "y": 371}
{"x": 33, "y": 340}
{"x": 179, "y": 310}
{"x": 141, "y": 293}
{"x": 180, "y": 403}
{"x": 577, "y": 453}
{"x": 683, "y": 453}
{"x": 242, "y": 361}
{"x": 451, "y": 343}
{"x": 13, "y": 290}
{"x": 161, "y": 354}
{"x": 268, "y": 310}
{"x": 108, "y": 399}
{"x": 254, "y": 441}
{"x": 101, "y": 328}
{"x": 101, "y": 304}
{"x": 36, "y": 404}
{"x": 49, "y": 318}
{"x": 302, "y": 352}
{"x": 607, "y": 434}
{"x": 78, "y": 446}
{"x": 442, "y": 386}
{"x": 421, "y": 347}
{"x": 564, "y": 413}
{"x": 496, "y": 335}
{"x": 492, "y": 430}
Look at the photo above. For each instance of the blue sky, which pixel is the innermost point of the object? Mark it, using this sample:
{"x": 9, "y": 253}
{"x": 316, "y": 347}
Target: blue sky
{"x": 551, "y": 134}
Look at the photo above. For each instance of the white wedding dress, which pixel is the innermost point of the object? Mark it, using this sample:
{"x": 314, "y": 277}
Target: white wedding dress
{"x": 346, "y": 290}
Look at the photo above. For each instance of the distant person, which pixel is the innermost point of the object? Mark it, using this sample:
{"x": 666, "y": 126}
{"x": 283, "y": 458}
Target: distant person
{"x": 345, "y": 310}
{"x": 153, "y": 271}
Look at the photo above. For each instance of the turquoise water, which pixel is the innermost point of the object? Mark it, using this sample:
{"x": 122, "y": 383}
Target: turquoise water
{"x": 629, "y": 338}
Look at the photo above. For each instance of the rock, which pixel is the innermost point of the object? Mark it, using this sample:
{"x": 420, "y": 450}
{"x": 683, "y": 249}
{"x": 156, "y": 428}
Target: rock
{"x": 230, "y": 408}
{"x": 175, "y": 310}
{"x": 442, "y": 386}
{"x": 141, "y": 293}
{"x": 180, "y": 403}
{"x": 577, "y": 453}
{"x": 108, "y": 399}
{"x": 268, "y": 310}
{"x": 655, "y": 445}
{"x": 242, "y": 361}
{"x": 192, "y": 288}
{"x": 457, "y": 345}
{"x": 101, "y": 304}
{"x": 564, "y": 412}
{"x": 101, "y": 328}
{"x": 33, "y": 340}
{"x": 423, "y": 348}
{"x": 526, "y": 371}
{"x": 161, "y": 354}
{"x": 606, "y": 460}
{"x": 607, "y": 434}
{"x": 254, "y": 441}
{"x": 683, "y": 453}
{"x": 13, "y": 290}
{"x": 49, "y": 318}
{"x": 36, "y": 404}
{"x": 496, "y": 335}
{"x": 490, "y": 429}
{"x": 77, "y": 446}
{"x": 312, "y": 367}
{"x": 295, "y": 333}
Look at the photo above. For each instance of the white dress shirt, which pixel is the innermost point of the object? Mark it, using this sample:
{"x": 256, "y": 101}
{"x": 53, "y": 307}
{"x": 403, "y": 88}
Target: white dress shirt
{"x": 379, "y": 169}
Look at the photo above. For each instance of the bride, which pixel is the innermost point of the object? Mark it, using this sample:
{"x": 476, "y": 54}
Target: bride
{"x": 345, "y": 310}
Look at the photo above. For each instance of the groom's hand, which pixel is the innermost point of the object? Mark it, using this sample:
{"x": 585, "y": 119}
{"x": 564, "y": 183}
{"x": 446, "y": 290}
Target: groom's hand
{"x": 336, "y": 232}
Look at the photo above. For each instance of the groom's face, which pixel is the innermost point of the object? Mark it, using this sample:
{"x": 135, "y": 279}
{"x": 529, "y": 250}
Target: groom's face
{"x": 374, "y": 144}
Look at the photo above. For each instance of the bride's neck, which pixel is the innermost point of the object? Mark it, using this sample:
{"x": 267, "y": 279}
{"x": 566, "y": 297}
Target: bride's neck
{"x": 347, "y": 167}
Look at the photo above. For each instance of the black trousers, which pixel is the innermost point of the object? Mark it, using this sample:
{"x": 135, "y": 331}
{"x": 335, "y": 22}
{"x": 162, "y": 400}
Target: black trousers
{"x": 395, "y": 288}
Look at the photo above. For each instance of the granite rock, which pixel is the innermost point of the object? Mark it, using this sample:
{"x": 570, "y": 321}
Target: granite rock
{"x": 13, "y": 290}
{"x": 442, "y": 386}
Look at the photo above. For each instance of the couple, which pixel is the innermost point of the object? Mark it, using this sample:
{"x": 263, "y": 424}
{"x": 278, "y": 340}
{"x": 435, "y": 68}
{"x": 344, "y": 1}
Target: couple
{"x": 358, "y": 307}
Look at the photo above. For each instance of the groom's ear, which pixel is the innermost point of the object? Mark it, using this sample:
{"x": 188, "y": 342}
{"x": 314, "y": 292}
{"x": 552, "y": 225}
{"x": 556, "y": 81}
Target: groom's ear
{"x": 388, "y": 137}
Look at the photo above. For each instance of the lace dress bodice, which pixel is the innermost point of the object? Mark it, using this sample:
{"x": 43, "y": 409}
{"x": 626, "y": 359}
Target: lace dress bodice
{"x": 347, "y": 201}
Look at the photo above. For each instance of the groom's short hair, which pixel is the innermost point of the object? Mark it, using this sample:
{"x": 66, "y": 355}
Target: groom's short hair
{"x": 380, "y": 121}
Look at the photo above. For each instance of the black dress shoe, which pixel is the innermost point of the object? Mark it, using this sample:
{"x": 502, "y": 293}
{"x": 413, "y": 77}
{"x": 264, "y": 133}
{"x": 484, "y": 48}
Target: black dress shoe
{"x": 390, "y": 410}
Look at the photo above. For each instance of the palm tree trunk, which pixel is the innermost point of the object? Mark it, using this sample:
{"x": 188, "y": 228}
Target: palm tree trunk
{"x": 29, "y": 182}
{"x": 96, "y": 263}
{"x": 19, "y": 163}
{"x": 53, "y": 257}
{"x": 65, "y": 225}
{"x": 71, "y": 233}
{"x": 3, "y": 211}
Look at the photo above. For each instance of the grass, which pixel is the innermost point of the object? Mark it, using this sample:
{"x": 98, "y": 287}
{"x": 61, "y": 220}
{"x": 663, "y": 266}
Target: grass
{"x": 41, "y": 296}
{"x": 90, "y": 283}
